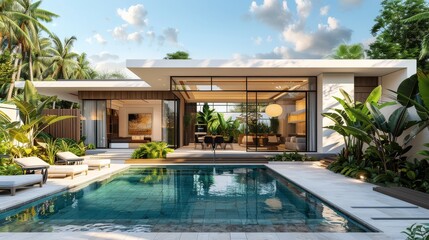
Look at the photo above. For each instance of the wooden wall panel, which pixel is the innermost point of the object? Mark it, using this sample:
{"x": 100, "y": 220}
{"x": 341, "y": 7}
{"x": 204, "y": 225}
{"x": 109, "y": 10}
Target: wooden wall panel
{"x": 69, "y": 128}
{"x": 126, "y": 95}
{"x": 364, "y": 86}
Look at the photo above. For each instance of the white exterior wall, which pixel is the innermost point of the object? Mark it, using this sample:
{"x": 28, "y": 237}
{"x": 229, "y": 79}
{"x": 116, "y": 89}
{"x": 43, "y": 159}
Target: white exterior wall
{"x": 328, "y": 86}
{"x": 155, "y": 109}
{"x": 392, "y": 82}
{"x": 11, "y": 111}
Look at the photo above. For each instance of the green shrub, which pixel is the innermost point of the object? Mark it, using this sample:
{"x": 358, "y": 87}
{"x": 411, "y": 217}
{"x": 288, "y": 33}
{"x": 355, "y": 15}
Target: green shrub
{"x": 7, "y": 167}
{"x": 291, "y": 157}
{"x": 151, "y": 150}
{"x": 70, "y": 145}
{"x": 90, "y": 146}
{"x": 417, "y": 232}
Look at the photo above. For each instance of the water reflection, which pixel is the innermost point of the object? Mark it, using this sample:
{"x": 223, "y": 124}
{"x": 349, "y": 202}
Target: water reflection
{"x": 200, "y": 198}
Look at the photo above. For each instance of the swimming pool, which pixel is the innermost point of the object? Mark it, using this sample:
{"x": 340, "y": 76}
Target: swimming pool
{"x": 183, "y": 199}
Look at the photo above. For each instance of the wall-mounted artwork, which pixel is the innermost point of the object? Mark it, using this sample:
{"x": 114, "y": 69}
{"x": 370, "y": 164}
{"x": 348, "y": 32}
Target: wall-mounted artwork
{"x": 140, "y": 124}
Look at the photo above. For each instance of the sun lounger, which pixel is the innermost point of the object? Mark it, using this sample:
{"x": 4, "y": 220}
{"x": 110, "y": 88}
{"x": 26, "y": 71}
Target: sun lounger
{"x": 31, "y": 164}
{"x": 19, "y": 181}
{"x": 67, "y": 170}
{"x": 92, "y": 163}
{"x": 54, "y": 170}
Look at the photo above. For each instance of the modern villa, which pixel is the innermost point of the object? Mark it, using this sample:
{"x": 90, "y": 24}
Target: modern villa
{"x": 170, "y": 90}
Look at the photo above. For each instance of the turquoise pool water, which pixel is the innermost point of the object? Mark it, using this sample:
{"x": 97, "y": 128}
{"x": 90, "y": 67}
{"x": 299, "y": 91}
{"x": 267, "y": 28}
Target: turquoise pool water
{"x": 183, "y": 199}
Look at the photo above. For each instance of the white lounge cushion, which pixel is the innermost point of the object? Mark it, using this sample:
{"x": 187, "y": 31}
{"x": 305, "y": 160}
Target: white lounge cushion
{"x": 98, "y": 163}
{"x": 68, "y": 156}
{"x": 71, "y": 170}
{"x": 34, "y": 162}
{"x": 20, "y": 180}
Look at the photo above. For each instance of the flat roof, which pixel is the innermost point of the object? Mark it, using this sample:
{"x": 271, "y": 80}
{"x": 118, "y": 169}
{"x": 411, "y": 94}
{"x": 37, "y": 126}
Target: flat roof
{"x": 155, "y": 74}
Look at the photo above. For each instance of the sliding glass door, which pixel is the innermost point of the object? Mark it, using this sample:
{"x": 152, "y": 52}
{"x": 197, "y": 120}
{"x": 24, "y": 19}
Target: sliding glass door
{"x": 94, "y": 122}
{"x": 170, "y": 126}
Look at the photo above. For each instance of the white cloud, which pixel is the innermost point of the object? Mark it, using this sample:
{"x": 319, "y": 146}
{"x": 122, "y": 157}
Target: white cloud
{"x": 120, "y": 33}
{"x": 103, "y": 56}
{"x": 269, "y": 38}
{"x": 303, "y": 8}
{"x": 257, "y": 40}
{"x": 349, "y": 3}
{"x": 151, "y": 35}
{"x": 324, "y": 10}
{"x": 171, "y": 35}
{"x": 320, "y": 42}
{"x": 100, "y": 39}
{"x": 299, "y": 40}
{"x": 134, "y": 15}
{"x": 272, "y": 12}
{"x": 135, "y": 36}
{"x": 332, "y": 24}
{"x": 97, "y": 38}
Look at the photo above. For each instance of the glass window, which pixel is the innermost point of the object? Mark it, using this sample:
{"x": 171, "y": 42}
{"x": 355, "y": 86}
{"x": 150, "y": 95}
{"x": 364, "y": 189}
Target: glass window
{"x": 277, "y": 83}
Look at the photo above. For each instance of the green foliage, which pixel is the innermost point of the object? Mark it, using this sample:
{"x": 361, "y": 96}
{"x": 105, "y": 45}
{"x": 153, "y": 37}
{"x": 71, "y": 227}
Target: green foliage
{"x": 30, "y": 106}
{"x": 423, "y": 16}
{"x": 352, "y": 127}
{"x": 177, "y": 55}
{"x": 291, "y": 157}
{"x": 90, "y": 146}
{"x": 70, "y": 145}
{"x": 274, "y": 125}
{"x": 394, "y": 38}
{"x": 6, "y": 67}
{"x": 152, "y": 150}
{"x": 353, "y": 51}
{"x": 7, "y": 167}
{"x": 384, "y": 159}
{"x": 417, "y": 232}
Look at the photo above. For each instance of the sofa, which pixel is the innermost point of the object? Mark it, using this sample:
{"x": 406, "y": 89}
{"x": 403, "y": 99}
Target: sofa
{"x": 249, "y": 140}
{"x": 296, "y": 143}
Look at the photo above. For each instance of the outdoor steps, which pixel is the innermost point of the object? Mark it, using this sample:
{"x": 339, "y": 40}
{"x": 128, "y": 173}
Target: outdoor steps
{"x": 112, "y": 154}
{"x": 420, "y": 199}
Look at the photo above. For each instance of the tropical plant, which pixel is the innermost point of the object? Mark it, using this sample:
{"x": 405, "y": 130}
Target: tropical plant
{"x": 7, "y": 167}
{"x": 206, "y": 116}
{"x": 152, "y": 150}
{"x": 344, "y": 51}
{"x": 30, "y": 108}
{"x": 349, "y": 126}
{"x": 414, "y": 91}
{"x": 70, "y": 145}
{"x": 417, "y": 232}
{"x": 224, "y": 127}
{"x": 63, "y": 60}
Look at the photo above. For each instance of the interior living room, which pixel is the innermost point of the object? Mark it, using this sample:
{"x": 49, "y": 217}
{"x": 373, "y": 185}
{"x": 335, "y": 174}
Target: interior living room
{"x": 268, "y": 117}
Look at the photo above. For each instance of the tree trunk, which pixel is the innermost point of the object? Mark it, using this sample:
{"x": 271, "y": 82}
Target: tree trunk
{"x": 72, "y": 105}
{"x": 53, "y": 104}
{"x": 30, "y": 65}
{"x": 14, "y": 75}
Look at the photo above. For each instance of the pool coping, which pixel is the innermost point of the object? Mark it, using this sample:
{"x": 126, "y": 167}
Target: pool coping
{"x": 56, "y": 186}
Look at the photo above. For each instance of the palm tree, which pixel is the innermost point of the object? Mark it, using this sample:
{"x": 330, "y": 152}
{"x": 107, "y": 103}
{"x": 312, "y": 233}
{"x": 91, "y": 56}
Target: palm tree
{"x": 344, "y": 51}
{"x": 425, "y": 42}
{"x": 83, "y": 70}
{"x": 32, "y": 25}
{"x": 63, "y": 59}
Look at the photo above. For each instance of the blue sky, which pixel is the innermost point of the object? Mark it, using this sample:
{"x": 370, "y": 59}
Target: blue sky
{"x": 111, "y": 31}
